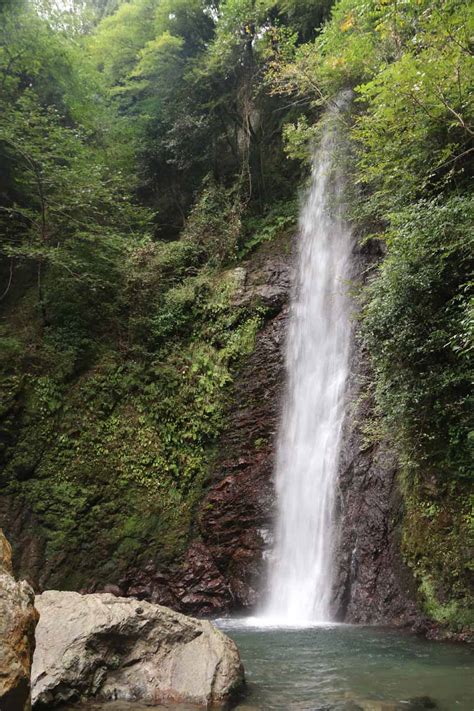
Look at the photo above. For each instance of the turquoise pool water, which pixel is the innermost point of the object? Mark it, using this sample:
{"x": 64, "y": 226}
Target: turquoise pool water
{"x": 304, "y": 668}
{"x": 311, "y": 669}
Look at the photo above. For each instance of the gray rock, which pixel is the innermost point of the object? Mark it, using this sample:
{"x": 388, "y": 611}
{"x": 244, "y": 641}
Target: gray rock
{"x": 106, "y": 647}
{"x": 18, "y": 618}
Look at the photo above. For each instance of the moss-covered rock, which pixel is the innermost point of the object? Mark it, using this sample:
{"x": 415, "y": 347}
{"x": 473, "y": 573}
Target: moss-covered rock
{"x": 437, "y": 544}
{"x": 104, "y": 462}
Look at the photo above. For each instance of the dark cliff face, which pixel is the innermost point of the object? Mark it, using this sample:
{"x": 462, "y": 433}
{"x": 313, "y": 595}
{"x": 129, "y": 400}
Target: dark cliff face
{"x": 372, "y": 584}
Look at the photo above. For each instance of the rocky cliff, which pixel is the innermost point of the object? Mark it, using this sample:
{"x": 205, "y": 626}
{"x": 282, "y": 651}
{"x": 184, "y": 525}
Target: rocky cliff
{"x": 18, "y": 618}
{"x": 373, "y": 584}
{"x": 222, "y": 568}
{"x": 226, "y": 569}
{"x": 382, "y": 513}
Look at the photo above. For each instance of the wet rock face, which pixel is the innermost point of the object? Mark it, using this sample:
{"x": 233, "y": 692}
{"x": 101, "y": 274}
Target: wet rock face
{"x": 108, "y": 647}
{"x": 194, "y": 586}
{"x": 372, "y": 583}
{"x": 240, "y": 504}
{"x": 18, "y": 619}
{"x": 240, "y": 501}
{"x": 223, "y": 567}
{"x": 224, "y": 570}
{"x": 22, "y": 529}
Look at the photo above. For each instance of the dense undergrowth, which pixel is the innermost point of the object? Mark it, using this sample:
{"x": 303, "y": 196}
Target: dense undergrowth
{"x": 111, "y": 460}
{"x": 147, "y": 147}
{"x": 119, "y": 341}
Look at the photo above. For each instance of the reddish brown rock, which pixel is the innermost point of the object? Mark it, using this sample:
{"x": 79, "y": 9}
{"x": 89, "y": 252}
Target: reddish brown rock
{"x": 223, "y": 566}
{"x": 18, "y": 619}
{"x": 238, "y": 509}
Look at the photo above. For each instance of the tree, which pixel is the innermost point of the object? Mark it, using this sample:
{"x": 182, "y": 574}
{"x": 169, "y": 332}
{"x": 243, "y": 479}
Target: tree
{"x": 61, "y": 193}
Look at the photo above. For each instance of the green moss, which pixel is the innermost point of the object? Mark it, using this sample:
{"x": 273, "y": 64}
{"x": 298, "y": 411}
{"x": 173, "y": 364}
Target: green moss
{"x": 437, "y": 529}
{"x": 112, "y": 458}
{"x": 453, "y": 614}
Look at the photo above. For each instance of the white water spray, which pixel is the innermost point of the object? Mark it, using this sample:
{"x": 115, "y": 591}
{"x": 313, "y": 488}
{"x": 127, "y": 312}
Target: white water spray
{"x": 317, "y": 359}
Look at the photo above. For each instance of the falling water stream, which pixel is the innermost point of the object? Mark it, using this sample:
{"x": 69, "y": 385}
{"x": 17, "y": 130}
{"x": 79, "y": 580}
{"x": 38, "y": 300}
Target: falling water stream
{"x": 310, "y": 434}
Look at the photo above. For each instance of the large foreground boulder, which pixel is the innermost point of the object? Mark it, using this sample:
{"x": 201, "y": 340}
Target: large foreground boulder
{"x": 18, "y": 619}
{"x": 110, "y": 647}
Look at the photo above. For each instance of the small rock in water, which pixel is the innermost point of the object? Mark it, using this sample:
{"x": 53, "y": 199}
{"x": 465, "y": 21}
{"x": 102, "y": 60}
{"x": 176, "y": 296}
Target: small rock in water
{"x": 421, "y": 702}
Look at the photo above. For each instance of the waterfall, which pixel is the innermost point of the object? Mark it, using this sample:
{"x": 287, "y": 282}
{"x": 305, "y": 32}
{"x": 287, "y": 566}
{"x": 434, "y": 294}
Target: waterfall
{"x": 317, "y": 357}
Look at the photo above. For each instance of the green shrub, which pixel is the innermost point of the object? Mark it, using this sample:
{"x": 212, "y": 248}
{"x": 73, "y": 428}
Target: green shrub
{"x": 279, "y": 217}
{"x": 416, "y": 325}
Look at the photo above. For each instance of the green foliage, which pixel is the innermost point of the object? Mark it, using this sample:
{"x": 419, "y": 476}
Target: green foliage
{"x": 189, "y": 78}
{"x": 117, "y": 42}
{"x": 131, "y": 434}
{"x": 10, "y": 347}
{"x": 411, "y": 68}
{"x": 447, "y": 613}
{"x": 214, "y": 222}
{"x": 437, "y": 528}
{"x": 237, "y": 36}
{"x": 66, "y": 208}
{"x": 415, "y": 328}
{"x": 415, "y": 131}
{"x": 280, "y": 217}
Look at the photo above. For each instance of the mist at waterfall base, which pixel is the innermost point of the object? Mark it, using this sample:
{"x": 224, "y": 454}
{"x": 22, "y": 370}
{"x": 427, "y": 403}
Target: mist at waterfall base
{"x": 317, "y": 355}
